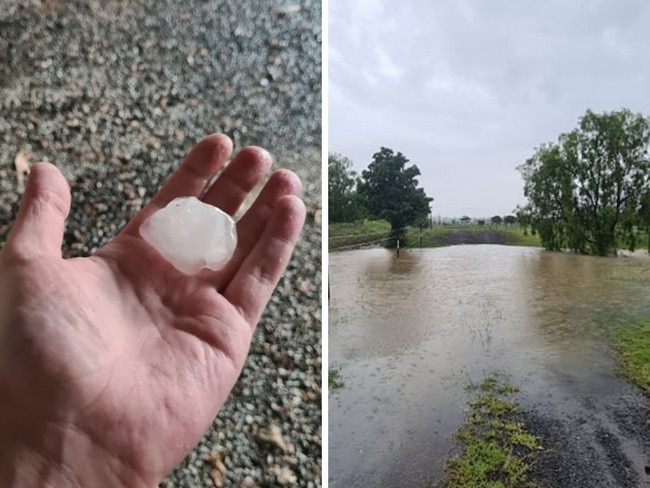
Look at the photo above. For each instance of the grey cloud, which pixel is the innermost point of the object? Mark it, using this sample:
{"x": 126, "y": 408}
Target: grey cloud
{"x": 467, "y": 90}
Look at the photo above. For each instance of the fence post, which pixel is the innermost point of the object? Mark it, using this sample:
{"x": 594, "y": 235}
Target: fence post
{"x": 397, "y": 247}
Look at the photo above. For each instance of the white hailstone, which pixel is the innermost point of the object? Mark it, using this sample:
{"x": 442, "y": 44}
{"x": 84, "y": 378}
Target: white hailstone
{"x": 191, "y": 235}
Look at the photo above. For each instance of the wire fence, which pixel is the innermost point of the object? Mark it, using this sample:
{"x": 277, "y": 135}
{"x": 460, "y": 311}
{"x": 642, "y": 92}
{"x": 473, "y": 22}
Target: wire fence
{"x": 361, "y": 244}
{"x": 355, "y": 245}
{"x": 366, "y": 235}
{"x": 364, "y": 243}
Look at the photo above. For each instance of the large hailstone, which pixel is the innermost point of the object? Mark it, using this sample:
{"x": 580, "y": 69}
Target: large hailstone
{"x": 191, "y": 235}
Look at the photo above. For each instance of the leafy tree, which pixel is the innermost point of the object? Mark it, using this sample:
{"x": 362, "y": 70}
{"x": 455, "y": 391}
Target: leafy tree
{"x": 524, "y": 217}
{"x": 544, "y": 179}
{"x": 496, "y": 220}
{"x": 389, "y": 191}
{"x": 465, "y": 219}
{"x": 344, "y": 203}
{"x": 510, "y": 219}
{"x": 644, "y": 213}
{"x": 584, "y": 190}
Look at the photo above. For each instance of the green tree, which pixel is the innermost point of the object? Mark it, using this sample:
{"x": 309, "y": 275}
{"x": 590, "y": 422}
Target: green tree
{"x": 509, "y": 219}
{"x": 524, "y": 217}
{"x": 343, "y": 200}
{"x": 583, "y": 190}
{"x": 496, "y": 220}
{"x": 644, "y": 213}
{"x": 389, "y": 190}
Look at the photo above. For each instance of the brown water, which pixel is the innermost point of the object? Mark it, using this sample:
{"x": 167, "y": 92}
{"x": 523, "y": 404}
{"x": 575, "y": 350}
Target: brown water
{"x": 409, "y": 334}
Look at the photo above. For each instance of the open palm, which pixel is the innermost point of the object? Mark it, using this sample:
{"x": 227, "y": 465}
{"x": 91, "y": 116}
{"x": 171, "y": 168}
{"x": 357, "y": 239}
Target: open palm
{"x": 113, "y": 366}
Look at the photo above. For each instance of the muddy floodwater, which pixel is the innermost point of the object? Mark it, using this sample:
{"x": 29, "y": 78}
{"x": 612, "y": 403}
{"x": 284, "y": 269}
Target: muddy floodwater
{"x": 409, "y": 334}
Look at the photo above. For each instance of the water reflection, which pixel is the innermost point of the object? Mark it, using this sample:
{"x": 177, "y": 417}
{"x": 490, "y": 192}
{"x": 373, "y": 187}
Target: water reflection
{"x": 410, "y": 333}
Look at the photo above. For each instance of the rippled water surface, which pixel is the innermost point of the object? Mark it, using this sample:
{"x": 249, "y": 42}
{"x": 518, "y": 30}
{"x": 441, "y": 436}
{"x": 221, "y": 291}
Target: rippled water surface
{"x": 408, "y": 335}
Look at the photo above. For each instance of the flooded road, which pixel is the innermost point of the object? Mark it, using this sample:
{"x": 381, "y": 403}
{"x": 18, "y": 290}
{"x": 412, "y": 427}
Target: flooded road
{"x": 408, "y": 335}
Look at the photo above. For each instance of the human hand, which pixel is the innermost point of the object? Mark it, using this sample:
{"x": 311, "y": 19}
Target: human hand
{"x": 113, "y": 366}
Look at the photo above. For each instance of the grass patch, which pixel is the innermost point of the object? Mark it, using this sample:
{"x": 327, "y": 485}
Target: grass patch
{"x": 497, "y": 449}
{"x": 515, "y": 236}
{"x": 334, "y": 379}
{"x": 444, "y": 235}
{"x": 633, "y": 352}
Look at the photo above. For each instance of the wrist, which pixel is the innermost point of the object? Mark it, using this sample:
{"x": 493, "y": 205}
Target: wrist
{"x": 21, "y": 467}
{"x": 61, "y": 458}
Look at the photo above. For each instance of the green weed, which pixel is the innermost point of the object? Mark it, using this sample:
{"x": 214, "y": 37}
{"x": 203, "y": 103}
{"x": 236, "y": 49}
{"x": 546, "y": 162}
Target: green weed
{"x": 334, "y": 379}
{"x": 497, "y": 449}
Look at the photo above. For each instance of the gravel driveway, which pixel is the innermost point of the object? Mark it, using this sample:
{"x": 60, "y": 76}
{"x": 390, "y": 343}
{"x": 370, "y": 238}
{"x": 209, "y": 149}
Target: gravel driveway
{"x": 115, "y": 95}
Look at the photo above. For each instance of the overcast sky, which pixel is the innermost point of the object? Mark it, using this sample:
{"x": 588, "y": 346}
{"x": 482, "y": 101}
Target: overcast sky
{"x": 467, "y": 89}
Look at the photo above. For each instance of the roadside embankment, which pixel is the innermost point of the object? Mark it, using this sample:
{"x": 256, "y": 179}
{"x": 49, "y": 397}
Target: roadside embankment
{"x": 369, "y": 233}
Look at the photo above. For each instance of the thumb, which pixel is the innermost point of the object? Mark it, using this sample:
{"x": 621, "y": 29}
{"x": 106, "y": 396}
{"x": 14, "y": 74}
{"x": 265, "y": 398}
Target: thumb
{"x": 38, "y": 229}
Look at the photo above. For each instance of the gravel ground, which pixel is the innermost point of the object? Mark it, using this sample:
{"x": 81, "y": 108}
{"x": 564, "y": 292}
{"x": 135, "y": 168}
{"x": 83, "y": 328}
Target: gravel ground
{"x": 115, "y": 95}
{"x": 594, "y": 447}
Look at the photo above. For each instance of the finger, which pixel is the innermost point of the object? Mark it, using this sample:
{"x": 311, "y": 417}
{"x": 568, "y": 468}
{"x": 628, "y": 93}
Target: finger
{"x": 254, "y": 221}
{"x": 232, "y": 187}
{"x": 251, "y": 288}
{"x": 39, "y": 225}
{"x": 201, "y": 163}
